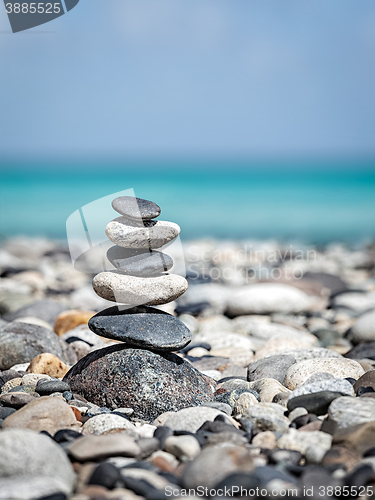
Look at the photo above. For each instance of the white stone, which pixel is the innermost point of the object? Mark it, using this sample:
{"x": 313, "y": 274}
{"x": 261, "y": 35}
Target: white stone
{"x": 334, "y": 385}
{"x": 301, "y": 440}
{"x": 346, "y": 412}
{"x": 364, "y": 328}
{"x": 141, "y": 234}
{"x": 190, "y": 419}
{"x": 133, "y": 290}
{"x": 298, "y": 373}
{"x": 266, "y": 298}
{"x": 182, "y": 447}
{"x": 106, "y": 422}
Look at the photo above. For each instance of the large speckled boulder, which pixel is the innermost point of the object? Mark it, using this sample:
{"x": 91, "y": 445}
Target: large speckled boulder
{"x": 150, "y": 383}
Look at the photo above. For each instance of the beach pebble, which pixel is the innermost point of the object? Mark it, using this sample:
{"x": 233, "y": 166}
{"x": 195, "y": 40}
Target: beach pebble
{"x": 46, "y": 309}
{"x": 139, "y": 291}
{"x": 364, "y": 328}
{"x": 68, "y": 320}
{"x": 139, "y": 262}
{"x": 274, "y": 367}
{"x": 342, "y": 386}
{"x": 300, "y": 440}
{"x": 25, "y": 456}
{"x": 298, "y": 373}
{"x": 360, "y": 351}
{"x": 346, "y": 412}
{"x": 89, "y": 448}
{"x": 268, "y": 388}
{"x": 48, "y": 364}
{"x": 119, "y": 376}
{"x": 280, "y": 344}
{"x": 265, "y": 440}
{"x": 267, "y": 417}
{"x": 14, "y": 382}
{"x": 21, "y": 342}
{"x": 315, "y": 402}
{"x": 191, "y": 419}
{"x": 151, "y": 234}
{"x": 312, "y": 353}
{"x": 136, "y": 208}
{"x": 360, "y": 438}
{"x": 142, "y": 326}
{"x": 5, "y": 412}
{"x": 225, "y": 340}
{"x": 43, "y": 414}
{"x": 357, "y": 301}
{"x": 81, "y": 348}
{"x": 33, "y": 378}
{"x": 102, "y": 424}
{"x": 266, "y": 298}
{"x": 16, "y": 399}
{"x": 45, "y": 388}
{"x": 34, "y": 321}
{"x": 366, "y": 380}
{"x": 215, "y": 463}
{"x": 182, "y": 447}
{"x": 219, "y": 406}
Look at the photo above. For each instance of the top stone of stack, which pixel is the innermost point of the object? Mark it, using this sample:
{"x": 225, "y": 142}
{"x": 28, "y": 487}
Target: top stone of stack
{"x": 136, "y": 208}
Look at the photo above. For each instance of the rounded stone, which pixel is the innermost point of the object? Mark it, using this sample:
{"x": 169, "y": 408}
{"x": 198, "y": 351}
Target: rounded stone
{"x": 43, "y": 414}
{"x": 24, "y": 454}
{"x": 133, "y": 290}
{"x": 364, "y": 328}
{"x": 266, "y": 298}
{"x": 48, "y": 364}
{"x": 71, "y": 319}
{"x": 150, "y": 383}
{"x": 142, "y": 326}
{"x": 21, "y": 342}
{"x": 298, "y": 373}
{"x": 45, "y": 388}
{"x": 314, "y": 402}
{"x": 103, "y": 424}
{"x": 136, "y": 208}
{"x": 141, "y": 262}
{"x": 144, "y": 234}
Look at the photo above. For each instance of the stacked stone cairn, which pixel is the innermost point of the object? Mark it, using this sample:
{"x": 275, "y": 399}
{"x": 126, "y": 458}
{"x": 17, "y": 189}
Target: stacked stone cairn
{"x": 141, "y": 372}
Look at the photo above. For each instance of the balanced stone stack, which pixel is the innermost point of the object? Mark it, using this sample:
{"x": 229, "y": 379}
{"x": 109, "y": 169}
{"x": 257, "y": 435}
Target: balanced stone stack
{"x": 142, "y": 372}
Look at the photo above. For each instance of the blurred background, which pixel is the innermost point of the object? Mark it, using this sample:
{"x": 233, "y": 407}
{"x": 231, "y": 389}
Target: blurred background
{"x": 240, "y": 119}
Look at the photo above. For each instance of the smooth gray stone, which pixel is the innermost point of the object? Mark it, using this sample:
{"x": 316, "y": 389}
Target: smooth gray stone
{"x": 25, "y": 454}
{"x": 21, "y": 342}
{"x": 136, "y": 208}
{"x": 50, "y": 386}
{"x": 46, "y": 309}
{"x": 273, "y": 367}
{"x": 141, "y": 326}
{"x": 315, "y": 402}
{"x": 141, "y": 262}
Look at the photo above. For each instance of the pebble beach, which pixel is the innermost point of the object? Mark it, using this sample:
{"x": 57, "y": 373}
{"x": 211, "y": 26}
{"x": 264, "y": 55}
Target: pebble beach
{"x": 260, "y": 375}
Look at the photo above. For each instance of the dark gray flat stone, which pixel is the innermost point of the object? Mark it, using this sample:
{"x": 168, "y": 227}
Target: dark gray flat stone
{"x": 136, "y": 208}
{"x": 139, "y": 262}
{"x": 142, "y": 326}
{"x": 50, "y": 386}
{"x": 316, "y": 402}
{"x": 123, "y": 377}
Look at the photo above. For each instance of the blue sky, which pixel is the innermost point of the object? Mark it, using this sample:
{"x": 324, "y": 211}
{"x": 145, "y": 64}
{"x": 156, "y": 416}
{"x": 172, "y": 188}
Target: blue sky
{"x": 206, "y": 78}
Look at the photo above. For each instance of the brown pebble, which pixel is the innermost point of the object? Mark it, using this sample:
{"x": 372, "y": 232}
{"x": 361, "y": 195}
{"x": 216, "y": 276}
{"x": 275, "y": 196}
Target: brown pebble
{"x": 68, "y": 320}
{"x": 162, "y": 464}
{"x": 77, "y": 413}
{"x": 48, "y": 364}
{"x": 341, "y": 455}
{"x": 312, "y": 426}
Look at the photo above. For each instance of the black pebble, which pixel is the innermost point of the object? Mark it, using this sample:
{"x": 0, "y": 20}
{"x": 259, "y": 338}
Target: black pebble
{"x": 362, "y": 390}
{"x": 106, "y": 475}
{"x": 204, "y": 345}
{"x": 64, "y": 435}
{"x": 303, "y": 420}
{"x": 162, "y": 433}
{"x": 77, "y": 339}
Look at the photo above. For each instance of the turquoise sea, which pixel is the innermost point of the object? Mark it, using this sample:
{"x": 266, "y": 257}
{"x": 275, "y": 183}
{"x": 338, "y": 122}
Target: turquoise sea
{"x": 307, "y": 201}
